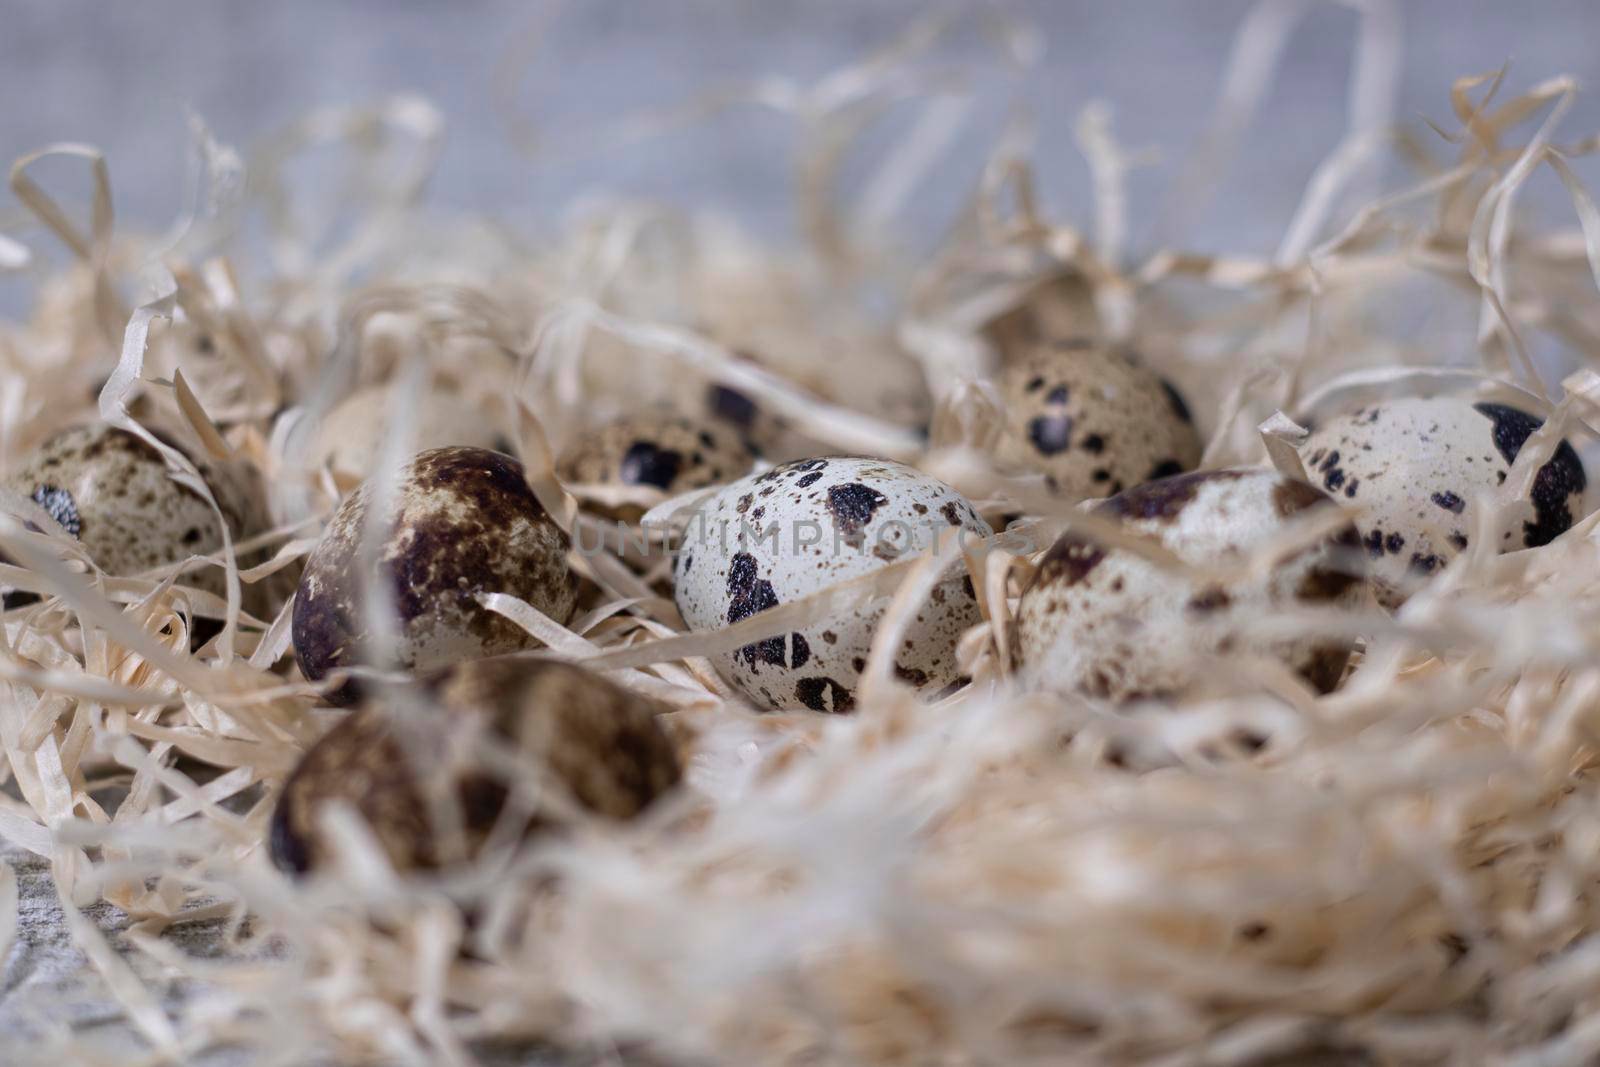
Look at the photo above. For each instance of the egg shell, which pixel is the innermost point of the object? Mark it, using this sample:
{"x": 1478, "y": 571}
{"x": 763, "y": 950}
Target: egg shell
{"x": 112, "y": 492}
{"x": 1115, "y": 626}
{"x": 1056, "y": 308}
{"x": 1093, "y": 420}
{"x": 780, "y": 321}
{"x": 352, "y": 433}
{"x": 884, "y": 383}
{"x": 664, "y": 451}
{"x": 1416, "y": 466}
{"x": 597, "y": 745}
{"x": 465, "y": 522}
{"x": 862, "y": 515}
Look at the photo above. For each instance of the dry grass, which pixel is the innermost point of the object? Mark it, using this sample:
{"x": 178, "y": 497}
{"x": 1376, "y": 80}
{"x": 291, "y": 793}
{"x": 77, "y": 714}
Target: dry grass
{"x": 1409, "y": 867}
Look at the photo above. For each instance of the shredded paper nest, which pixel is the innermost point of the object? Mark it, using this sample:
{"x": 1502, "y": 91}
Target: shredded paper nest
{"x": 1407, "y": 873}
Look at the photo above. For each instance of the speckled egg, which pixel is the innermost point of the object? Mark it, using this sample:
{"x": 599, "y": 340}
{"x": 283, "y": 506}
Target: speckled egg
{"x": 1416, "y": 465}
{"x": 797, "y": 528}
{"x": 1112, "y": 625}
{"x": 1092, "y": 420}
{"x": 352, "y": 433}
{"x": 465, "y": 523}
{"x": 112, "y": 492}
{"x": 594, "y": 743}
{"x": 1057, "y": 308}
{"x": 666, "y": 452}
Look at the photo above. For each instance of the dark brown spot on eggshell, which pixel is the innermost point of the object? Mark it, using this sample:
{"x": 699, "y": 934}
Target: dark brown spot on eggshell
{"x": 1325, "y": 585}
{"x": 1161, "y": 501}
{"x": 663, "y": 451}
{"x": 1211, "y": 599}
{"x": 824, "y": 694}
{"x": 852, "y": 506}
{"x": 1070, "y": 560}
{"x": 800, "y": 652}
{"x": 646, "y": 463}
{"x": 912, "y": 676}
{"x": 749, "y": 593}
{"x": 1051, "y": 434}
{"x": 1561, "y": 478}
{"x": 1324, "y": 667}
{"x": 1425, "y": 563}
{"x": 732, "y": 405}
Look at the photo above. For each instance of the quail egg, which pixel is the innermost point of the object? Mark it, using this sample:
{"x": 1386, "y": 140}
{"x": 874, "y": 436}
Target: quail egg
{"x": 465, "y": 522}
{"x": 352, "y": 433}
{"x": 668, "y": 452}
{"x": 1415, "y": 467}
{"x": 1092, "y": 420}
{"x": 112, "y": 492}
{"x": 600, "y": 746}
{"x": 1056, "y": 308}
{"x": 792, "y": 530}
{"x": 1110, "y": 624}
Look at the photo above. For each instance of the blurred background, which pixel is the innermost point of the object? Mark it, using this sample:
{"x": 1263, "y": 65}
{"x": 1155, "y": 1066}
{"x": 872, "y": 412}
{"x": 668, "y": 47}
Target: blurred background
{"x": 527, "y": 89}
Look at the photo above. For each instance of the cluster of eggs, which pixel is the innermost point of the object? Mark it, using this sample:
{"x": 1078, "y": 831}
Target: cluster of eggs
{"x": 1097, "y": 620}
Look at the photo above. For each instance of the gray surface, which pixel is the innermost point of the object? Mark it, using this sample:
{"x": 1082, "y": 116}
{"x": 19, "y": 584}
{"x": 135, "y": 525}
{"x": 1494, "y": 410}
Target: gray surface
{"x": 47, "y": 986}
{"x": 121, "y": 75}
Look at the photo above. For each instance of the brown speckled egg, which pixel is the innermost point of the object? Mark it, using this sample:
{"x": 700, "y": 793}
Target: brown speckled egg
{"x": 797, "y": 528}
{"x": 1093, "y": 421}
{"x": 465, "y": 523}
{"x": 112, "y": 492}
{"x": 1058, "y": 308}
{"x": 600, "y": 746}
{"x": 1112, "y": 625}
{"x": 352, "y": 433}
{"x": 1417, "y": 465}
{"x": 666, "y": 452}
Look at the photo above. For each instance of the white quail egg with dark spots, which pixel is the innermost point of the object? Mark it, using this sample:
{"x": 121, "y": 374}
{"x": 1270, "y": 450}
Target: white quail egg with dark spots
{"x": 352, "y": 433}
{"x": 1113, "y": 625}
{"x": 1092, "y": 420}
{"x": 800, "y": 527}
{"x": 113, "y": 492}
{"x": 465, "y": 522}
{"x": 1416, "y": 466}
{"x": 665, "y": 452}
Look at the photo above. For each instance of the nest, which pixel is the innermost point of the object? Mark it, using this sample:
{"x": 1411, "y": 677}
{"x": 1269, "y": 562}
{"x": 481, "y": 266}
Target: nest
{"x": 1406, "y": 874}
